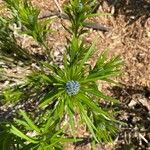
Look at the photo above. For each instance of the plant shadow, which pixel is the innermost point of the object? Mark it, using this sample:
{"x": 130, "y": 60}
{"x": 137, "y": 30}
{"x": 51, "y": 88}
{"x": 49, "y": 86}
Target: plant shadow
{"x": 133, "y": 10}
{"x": 135, "y": 114}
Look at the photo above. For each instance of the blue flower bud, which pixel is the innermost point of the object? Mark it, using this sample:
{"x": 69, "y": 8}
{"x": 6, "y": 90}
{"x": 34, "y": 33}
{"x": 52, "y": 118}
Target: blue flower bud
{"x": 72, "y": 87}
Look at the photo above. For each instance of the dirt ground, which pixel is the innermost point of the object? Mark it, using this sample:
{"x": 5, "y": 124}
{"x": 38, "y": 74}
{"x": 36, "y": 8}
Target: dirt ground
{"x": 129, "y": 36}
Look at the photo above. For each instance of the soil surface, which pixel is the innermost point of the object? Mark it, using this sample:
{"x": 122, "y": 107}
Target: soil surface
{"x": 128, "y": 36}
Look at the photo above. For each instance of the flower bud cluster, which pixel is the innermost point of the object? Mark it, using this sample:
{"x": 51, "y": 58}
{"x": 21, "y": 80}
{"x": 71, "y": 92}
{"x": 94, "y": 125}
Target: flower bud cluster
{"x": 72, "y": 87}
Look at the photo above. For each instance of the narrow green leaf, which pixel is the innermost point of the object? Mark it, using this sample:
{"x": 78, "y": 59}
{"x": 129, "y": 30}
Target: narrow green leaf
{"x": 56, "y": 134}
{"x": 71, "y": 120}
{"x": 30, "y": 146}
{"x": 48, "y": 123}
{"x": 89, "y": 52}
{"x": 100, "y": 94}
{"x": 70, "y": 140}
{"x": 90, "y": 103}
{"x": 100, "y": 76}
{"x": 88, "y": 121}
{"x": 54, "y": 143}
{"x": 29, "y": 121}
{"x": 24, "y": 123}
{"x": 50, "y": 96}
{"x": 15, "y": 131}
{"x": 58, "y": 73}
{"x": 46, "y": 78}
{"x": 97, "y": 15}
{"x": 102, "y": 58}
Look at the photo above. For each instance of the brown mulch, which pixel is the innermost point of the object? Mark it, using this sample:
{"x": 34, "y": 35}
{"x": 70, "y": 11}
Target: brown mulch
{"x": 130, "y": 38}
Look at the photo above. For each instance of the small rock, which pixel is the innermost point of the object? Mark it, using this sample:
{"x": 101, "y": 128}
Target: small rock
{"x": 132, "y": 103}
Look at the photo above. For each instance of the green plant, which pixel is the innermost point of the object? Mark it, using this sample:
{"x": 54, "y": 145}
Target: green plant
{"x": 76, "y": 92}
{"x": 24, "y": 134}
{"x": 9, "y": 49}
{"x": 25, "y": 17}
{"x": 78, "y": 12}
{"x": 63, "y": 92}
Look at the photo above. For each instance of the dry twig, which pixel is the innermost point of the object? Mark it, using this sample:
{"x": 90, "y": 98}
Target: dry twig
{"x": 58, "y": 6}
{"x": 94, "y": 26}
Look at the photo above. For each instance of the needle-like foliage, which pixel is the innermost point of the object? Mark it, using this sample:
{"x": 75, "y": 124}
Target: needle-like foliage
{"x": 24, "y": 134}
{"x": 9, "y": 49}
{"x": 26, "y": 17}
{"x": 66, "y": 91}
